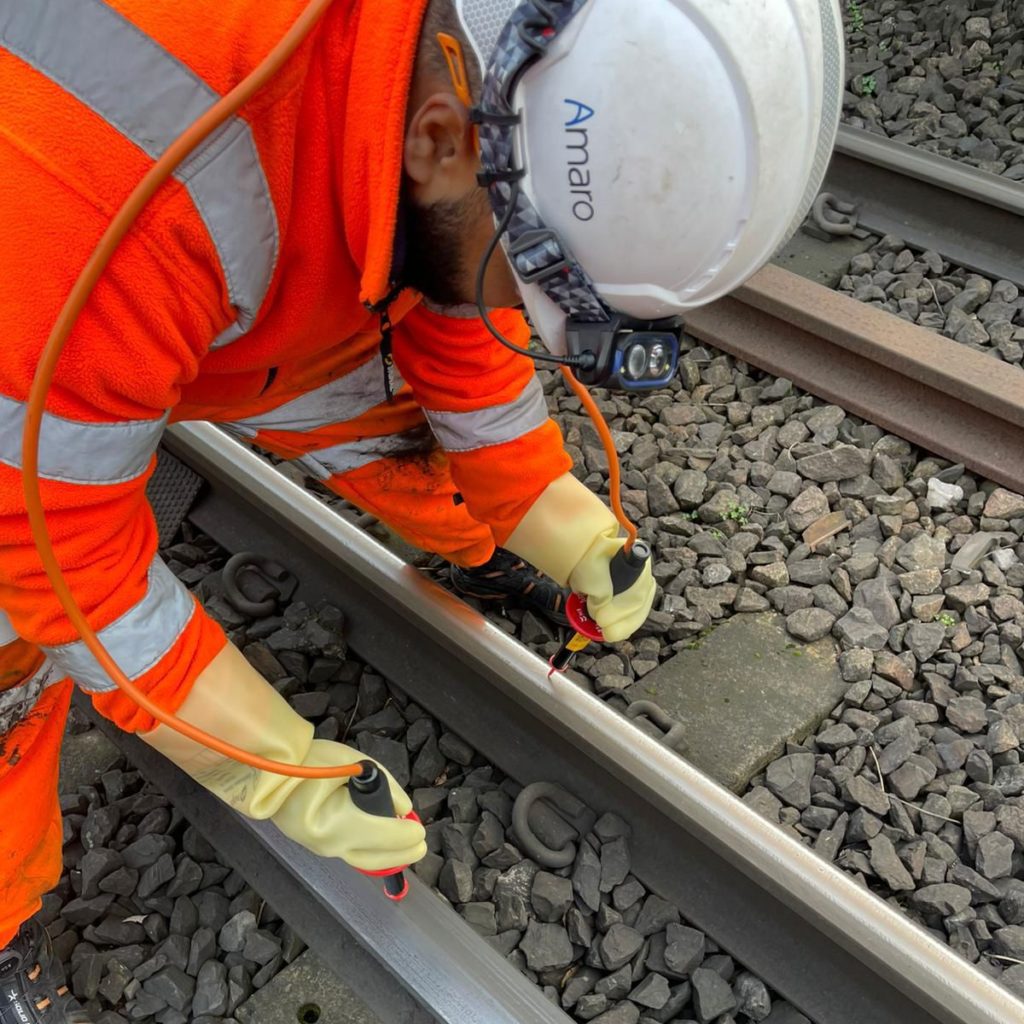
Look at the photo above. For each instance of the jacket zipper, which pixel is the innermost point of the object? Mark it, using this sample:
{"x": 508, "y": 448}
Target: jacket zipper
{"x": 382, "y": 309}
{"x": 386, "y": 357}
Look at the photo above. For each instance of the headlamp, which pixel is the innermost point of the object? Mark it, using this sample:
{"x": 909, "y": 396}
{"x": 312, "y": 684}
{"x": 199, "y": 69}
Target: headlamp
{"x": 602, "y": 346}
{"x": 620, "y": 353}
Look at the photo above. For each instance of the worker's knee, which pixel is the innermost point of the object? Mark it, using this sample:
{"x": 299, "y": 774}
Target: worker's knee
{"x": 24, "y": 675}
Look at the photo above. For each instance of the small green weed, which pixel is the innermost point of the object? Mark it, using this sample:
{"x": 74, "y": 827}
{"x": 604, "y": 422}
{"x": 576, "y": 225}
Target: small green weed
{"x": 737, "y": 513}
{"x": 947, "y": 620}
{"x": 868, "y": 85}
{"x": 856, "y": 16}
{"x": 697, "y": 642}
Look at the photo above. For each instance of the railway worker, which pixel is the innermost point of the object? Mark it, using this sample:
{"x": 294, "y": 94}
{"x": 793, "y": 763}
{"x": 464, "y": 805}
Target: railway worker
{"x": 308, "y": 280}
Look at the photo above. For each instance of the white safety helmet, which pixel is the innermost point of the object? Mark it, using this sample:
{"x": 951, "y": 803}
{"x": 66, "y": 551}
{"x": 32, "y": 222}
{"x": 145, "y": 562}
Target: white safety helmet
{"x": 648, "y": 156}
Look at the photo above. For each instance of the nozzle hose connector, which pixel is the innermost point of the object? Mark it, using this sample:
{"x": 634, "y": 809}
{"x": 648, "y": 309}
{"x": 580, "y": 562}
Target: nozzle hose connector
{"x": 370, "y": 791}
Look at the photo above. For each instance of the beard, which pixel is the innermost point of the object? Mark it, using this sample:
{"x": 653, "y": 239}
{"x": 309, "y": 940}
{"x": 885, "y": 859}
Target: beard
{"x": 434, "y": 247}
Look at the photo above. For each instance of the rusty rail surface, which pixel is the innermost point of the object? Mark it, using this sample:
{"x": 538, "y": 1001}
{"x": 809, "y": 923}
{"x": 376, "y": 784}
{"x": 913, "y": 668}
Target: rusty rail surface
{"x": 928, "y": 389}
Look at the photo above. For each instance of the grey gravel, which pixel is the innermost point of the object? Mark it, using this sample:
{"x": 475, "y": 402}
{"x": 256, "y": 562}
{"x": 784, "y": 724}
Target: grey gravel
{"x": 752, "y": 997}
{"x": 957, "y": 304}
{"x": 684, "y": 949}
{"x": 619, "y": 945}
{"x": 546, "y": 947}
{"x": 789, "y": 778}
{"x": 810, "y": 624}
{"x": 551, "y": 896}
{"x": 944, "y": 77}
{"x": 712, "y": 995}
{"x": 236, "y": 931}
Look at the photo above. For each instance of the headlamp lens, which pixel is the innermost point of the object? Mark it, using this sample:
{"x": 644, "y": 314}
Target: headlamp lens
{"x": 624, "y": 355}
{"x": 648, "y": 359}
{"x": 637, "y": 362}
{"x": 656, "y": 361}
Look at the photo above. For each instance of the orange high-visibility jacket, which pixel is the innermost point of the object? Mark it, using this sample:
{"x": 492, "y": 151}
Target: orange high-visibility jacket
{"x": 248, "y": 293}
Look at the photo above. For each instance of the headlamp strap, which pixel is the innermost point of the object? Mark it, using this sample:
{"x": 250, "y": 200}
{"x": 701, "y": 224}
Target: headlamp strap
{"x": 488, "y": 178}
{"x": 531, "y": 28}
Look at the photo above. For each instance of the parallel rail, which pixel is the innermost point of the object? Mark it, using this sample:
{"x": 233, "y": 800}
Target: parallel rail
{"x": 833, "y": 949}
{"x": 971, "y": 217}
{"x": 949, "y": 399}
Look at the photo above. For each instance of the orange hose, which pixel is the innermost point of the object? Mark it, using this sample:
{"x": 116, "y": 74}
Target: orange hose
{"x": 614, "y": 472}
{"x": 171, "y": 159}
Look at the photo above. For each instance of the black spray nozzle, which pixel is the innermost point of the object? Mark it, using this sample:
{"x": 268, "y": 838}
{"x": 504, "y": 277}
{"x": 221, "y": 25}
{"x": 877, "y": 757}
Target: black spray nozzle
{"x": 627, "y": 565}
{"x": 370, "y": 792}
{"x": 372, "y": 795}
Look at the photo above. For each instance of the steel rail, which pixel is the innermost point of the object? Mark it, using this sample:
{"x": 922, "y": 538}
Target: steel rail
{"x": 971, "y": 217}
{"x": 836, "y": 951}
{"x": 417, "y": 963}
{"x": 932, "y": 391}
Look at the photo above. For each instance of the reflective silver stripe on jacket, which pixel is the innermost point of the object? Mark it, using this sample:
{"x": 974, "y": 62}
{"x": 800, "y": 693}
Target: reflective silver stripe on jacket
{"x": 15, "y": 704}
{"x": 146, "y": 93}
{"x": 138, "y": 639}
{"x": 343, "y": 399}
{"x": 484, "y": 428}
{"x": 7, "y": 634}
{"x": 77, "y": 452}
{"x": 343, "y": 458}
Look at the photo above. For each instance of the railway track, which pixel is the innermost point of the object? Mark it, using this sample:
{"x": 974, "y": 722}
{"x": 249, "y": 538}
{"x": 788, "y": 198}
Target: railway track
{"x": 828, "y": 946}
{"x": 823, "y": 942}
{"x": 922, "y": 386}
{"x": 975, "y": 219}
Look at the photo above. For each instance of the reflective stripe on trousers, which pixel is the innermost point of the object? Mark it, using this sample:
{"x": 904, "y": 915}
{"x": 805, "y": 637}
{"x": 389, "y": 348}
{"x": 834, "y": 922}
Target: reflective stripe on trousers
{"x": 24, "y": 674}
{"x": 18, "y": 701}
{"x": 351, "y": 455}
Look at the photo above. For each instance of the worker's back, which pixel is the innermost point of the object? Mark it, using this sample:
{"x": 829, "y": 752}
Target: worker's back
{"x": 256, "y": 221}
{"x": 237, "y": 289}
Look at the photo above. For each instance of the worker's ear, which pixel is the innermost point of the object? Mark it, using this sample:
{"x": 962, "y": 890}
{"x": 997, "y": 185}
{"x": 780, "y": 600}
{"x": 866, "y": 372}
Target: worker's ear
{"x": 440, "y": 154}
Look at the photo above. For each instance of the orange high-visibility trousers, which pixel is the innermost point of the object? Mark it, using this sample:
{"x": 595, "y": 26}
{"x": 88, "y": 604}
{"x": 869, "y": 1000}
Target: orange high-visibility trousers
{"x": 30, "y": 823}
{"x": 418, "y": 499}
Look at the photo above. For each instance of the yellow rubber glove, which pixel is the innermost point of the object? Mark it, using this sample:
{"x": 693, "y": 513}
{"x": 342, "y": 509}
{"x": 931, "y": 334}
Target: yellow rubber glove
{"x": 233, "y": 702}
{"x": 571, "y": 535}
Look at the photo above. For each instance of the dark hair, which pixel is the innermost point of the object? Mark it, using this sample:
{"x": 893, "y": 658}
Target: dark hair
{"x": 442, "y": 17}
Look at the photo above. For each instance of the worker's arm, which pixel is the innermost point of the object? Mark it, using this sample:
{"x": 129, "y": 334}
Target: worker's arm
{"x": 146, "y": 327}
{"x": 233, "y": 702}
{"x": 142, "y": 333}
{"x": 486, "y": 408}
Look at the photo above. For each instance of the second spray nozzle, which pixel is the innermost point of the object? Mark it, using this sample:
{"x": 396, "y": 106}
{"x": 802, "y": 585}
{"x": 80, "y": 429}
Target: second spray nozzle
{"x": 626, "y": 568}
